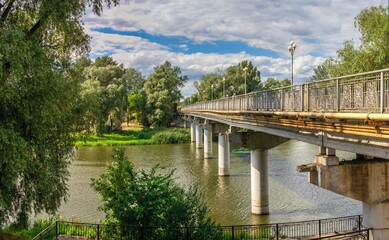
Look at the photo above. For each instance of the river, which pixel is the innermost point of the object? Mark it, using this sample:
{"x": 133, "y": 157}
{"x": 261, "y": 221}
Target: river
{"x": 291, "y": 197}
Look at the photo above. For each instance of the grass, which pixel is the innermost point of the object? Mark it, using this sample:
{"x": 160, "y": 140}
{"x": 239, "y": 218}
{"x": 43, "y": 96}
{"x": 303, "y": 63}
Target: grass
{"x": 14, "y": 233}
{"x": 135, "y": 136}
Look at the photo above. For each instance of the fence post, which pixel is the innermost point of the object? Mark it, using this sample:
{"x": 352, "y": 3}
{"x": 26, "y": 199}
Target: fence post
{"x": 359, "y": 223}
{"x": 187, "y": 233}
{"x": 232, "y": 233}
{"x": 277, "y": 234}
{"x": 56, "y": 229}
{"x": 383, "y": 91}
{"x": 98, "y": 231}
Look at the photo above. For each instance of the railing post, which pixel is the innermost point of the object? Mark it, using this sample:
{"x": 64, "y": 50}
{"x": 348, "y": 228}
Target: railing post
{"x": 383, "y": 93}
{"x": 319, "y": 228}
{"x": 98, "y": 231}
{"x": 302, "y": 97}
{"x": 282, "y": 99}
{"x": 56, "y": 229}
{"x": 308, "y": 99}
{"x": 359, "y": 223}
{"x": 337, "y": 96}
{"x": 232, "y": 233}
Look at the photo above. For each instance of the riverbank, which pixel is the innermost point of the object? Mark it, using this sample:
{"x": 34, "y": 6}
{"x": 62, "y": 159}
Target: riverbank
{"x": 135, "y": 136}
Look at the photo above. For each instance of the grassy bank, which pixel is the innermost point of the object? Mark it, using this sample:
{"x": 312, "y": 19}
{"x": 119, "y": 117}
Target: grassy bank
{"x": 136, "y": 136}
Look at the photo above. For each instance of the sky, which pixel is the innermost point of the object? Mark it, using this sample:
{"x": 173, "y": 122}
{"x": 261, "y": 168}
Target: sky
{"x": 208, "y": 36}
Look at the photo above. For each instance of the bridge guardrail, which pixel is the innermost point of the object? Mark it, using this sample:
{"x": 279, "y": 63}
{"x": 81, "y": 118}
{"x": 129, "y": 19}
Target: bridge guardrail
{"x": 363, "y": 92}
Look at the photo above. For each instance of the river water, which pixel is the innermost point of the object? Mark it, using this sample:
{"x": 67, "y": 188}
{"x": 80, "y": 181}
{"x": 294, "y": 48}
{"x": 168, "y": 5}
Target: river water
{"x": 291, "y": 197}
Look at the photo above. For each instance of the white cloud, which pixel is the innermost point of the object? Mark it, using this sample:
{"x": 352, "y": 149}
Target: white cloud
{"x": 318, "y": 28}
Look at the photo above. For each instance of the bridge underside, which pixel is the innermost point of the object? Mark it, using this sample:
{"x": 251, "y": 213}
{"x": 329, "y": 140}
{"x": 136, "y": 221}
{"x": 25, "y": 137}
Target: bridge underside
{"x": 365, "y": 134}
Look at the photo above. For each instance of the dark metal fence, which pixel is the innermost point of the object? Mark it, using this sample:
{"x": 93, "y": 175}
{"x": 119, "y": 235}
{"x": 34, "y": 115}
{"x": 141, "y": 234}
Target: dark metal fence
{"x": 350, "y": 227}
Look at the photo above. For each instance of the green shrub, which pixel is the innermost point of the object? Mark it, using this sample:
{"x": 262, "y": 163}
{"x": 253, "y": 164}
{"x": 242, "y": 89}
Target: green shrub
{"x": 175, "y": 135}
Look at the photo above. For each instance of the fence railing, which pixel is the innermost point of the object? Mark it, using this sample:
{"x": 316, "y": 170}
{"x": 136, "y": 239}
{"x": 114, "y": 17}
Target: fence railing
{"x": 318, "y": 229}
{"x": 363, "y": 92}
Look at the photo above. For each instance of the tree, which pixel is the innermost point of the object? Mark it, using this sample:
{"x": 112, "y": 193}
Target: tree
{"x": 163, "y": 94}
{"x": 236, "y": 79}
{"x": 271, "y": 83}
{"x": 149, "y": 199}
{"x": 371, "y": 55}
{"x": 37, "y": 108}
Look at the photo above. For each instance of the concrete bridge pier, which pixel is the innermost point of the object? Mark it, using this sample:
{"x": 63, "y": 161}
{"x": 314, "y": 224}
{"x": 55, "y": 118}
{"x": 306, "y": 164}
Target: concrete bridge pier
{"x": 360, "y": 179}
{"x": 259, "y": 182}
{"x": 207, "y": 140}
{"x": 193, "y": 130}
{"x": 224, "y": 154}
{"x": 258, "y": 143}
{"x": 199, "y": 135}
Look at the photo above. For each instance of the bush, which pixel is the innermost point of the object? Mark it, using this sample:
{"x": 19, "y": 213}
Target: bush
{"x": 174, "y": 135}
{"x": 152, "y": 203}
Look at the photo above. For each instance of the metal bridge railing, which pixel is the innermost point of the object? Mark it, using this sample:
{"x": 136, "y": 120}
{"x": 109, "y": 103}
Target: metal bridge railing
{"x": 363, "y": 92}
{"x": 318, "y": 229}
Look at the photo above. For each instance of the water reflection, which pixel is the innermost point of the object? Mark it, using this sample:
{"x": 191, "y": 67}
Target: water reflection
{"x": 291, "y": 197}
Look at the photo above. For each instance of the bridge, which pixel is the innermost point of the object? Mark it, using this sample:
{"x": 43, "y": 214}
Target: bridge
{"x": 349, "y": 113}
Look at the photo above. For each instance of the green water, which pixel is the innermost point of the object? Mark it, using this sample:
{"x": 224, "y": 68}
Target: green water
{"x": 291, "y": 197}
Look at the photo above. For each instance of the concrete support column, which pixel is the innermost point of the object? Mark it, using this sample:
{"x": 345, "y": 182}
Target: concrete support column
{"x": 208, "y": 141}
{"x": 224, "y": 154}
{"x": 199, "y": 135}
{"x": 259, "y": 182}
{"x": 375, "y": 215}
{"x": 327, "y": 157}
{"x": 193, "y": 131}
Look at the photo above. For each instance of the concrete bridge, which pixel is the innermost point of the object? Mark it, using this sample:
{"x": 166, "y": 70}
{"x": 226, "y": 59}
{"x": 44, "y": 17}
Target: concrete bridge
{"x": 349, "y": 113}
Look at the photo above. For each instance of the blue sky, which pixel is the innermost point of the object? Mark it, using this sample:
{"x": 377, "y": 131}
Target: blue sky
{"x": 182, "y": 44}
{"x": 207, "y": 36}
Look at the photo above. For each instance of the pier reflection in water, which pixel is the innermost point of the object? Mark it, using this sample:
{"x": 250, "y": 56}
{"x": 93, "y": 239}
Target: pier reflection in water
{"x": 291, "y": 197}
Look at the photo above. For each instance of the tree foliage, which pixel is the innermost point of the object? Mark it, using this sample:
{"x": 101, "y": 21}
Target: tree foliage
{"x": 148, "y": 199}
{"x": 104, "y": 93}
{"x": 237, "y": 79}
{"x": 162, "y": 89}
{"x": 371, "y": 54}
{"x": 271, "y": 83}
{"x": 37, "y": 108}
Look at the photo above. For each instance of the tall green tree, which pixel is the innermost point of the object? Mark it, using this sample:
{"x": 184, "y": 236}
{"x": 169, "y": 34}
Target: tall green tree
{"x": 152, "y": 201}
{"x": 37, "y": 40}
{"x": 371, "y": 54}
{"x": 271, "y": 83}
{"x": 163, "y": 93}
{"x": 237, "y": 79}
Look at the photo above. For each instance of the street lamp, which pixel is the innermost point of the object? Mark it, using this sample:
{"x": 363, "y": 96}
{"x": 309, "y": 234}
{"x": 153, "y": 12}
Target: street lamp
{"x": 232, "y": 90}
{"x": 292, "y": 48}
{"x": 224, "y": 87}
{"x": 245, "y": 79}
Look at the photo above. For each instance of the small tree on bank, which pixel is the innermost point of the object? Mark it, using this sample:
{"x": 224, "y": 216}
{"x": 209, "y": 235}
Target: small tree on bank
{"x": 150, "y": 200}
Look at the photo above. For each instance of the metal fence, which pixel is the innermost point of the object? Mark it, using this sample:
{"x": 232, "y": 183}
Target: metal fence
{"x": 318, "y": 229}
{"x": 364, "y": 92}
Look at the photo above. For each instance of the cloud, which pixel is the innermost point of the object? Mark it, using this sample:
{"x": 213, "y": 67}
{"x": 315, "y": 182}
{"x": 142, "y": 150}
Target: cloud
{"x": 318, "y": 27}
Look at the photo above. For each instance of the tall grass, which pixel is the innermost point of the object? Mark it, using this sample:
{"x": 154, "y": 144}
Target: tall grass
{"x": 135, "y": 137}
{"x": 174, "y": 135}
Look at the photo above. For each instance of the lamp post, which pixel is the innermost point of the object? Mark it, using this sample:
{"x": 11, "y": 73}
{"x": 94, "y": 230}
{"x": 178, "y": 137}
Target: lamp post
{"x": 292, "y": 48}
{"x": 232, "y": 90}
{"x": 224, "y": 87}
{"x": 245, "y": 79}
